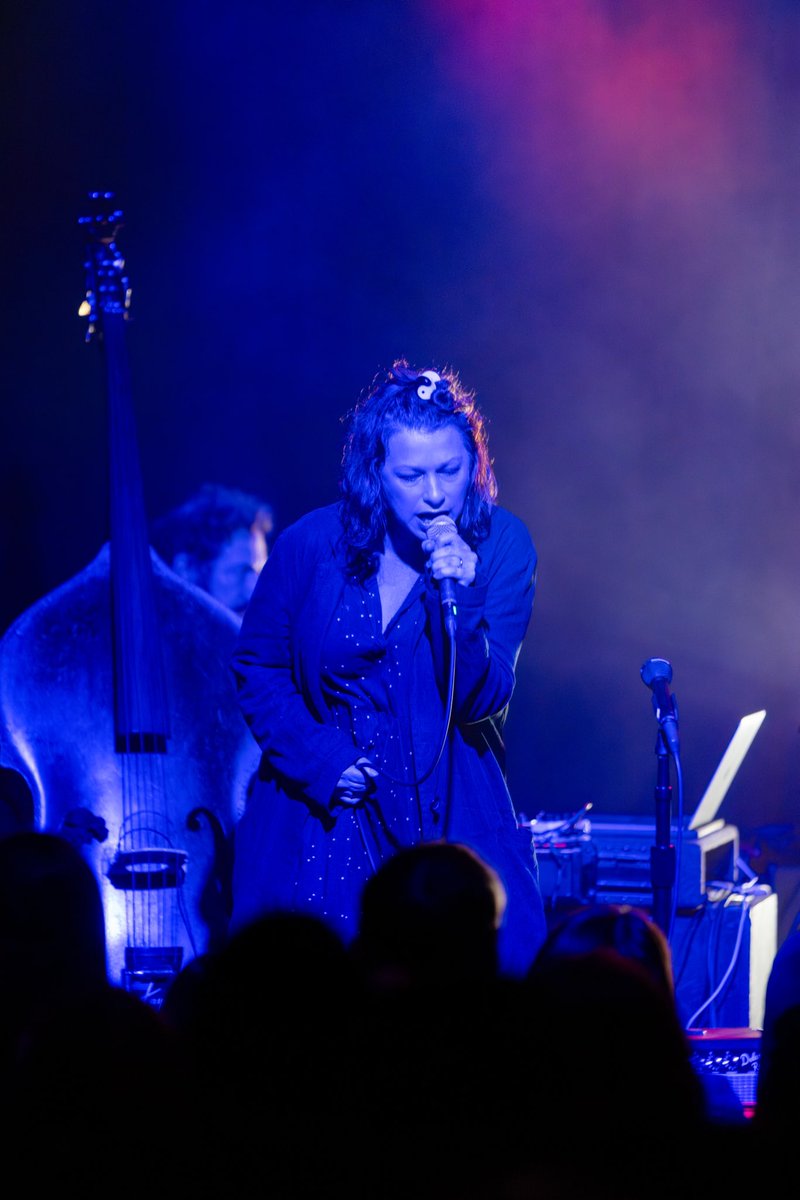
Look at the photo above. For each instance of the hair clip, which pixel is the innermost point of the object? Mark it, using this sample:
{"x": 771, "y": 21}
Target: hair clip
{"x": 424, "y": 391}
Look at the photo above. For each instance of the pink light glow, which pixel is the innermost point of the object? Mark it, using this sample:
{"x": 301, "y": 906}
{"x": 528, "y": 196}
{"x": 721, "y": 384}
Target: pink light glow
{"x": 593, "y": 115}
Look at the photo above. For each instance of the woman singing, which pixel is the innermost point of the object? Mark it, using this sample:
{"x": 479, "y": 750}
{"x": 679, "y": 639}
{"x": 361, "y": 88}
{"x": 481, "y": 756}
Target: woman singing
{"x": 375, "y": 665}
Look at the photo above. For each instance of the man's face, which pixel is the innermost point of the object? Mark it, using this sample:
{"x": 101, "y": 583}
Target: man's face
{"x": 233, "y": 573}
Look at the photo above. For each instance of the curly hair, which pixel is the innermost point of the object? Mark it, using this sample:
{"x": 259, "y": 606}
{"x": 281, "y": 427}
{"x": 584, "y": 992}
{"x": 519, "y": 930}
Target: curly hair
{"x": 393, "y": 402}
{"x": 203, "y": 524}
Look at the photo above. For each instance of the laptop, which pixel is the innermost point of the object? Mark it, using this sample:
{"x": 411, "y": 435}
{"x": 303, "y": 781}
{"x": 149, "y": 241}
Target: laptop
{"x": 725, "y": 773}
{"x": 705, "y": 817}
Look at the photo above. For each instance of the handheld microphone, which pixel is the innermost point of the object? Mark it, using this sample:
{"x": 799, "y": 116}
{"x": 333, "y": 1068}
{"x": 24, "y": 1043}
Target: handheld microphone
{"x": 657, "y": 674}
{"x": 447, "y": 587}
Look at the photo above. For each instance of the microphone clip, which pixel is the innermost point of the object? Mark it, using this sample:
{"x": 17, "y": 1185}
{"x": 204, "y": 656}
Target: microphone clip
{"x": 668, "y": 712}
{"x": 656, "y": 673}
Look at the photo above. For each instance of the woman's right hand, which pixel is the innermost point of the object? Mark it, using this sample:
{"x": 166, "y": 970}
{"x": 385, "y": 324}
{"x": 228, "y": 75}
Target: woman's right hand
{"x": 355, "y": 783}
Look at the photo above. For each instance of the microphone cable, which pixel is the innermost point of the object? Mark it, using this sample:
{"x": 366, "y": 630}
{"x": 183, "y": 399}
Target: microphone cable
{"x": 676, "y": 758}
{"x": 451, "y": 678}
{"x": 450, "y": 630}
{"x": 358, "y": 809}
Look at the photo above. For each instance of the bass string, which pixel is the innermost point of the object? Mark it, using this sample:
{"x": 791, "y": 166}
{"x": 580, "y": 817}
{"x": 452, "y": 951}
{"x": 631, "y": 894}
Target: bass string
{"x": 147, "y": 843}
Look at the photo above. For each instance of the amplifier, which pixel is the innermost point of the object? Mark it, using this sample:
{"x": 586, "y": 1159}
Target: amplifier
{"x": 723, "y": 954}
{"x": 566, "y": 857}
{"x": 724, "y": 938}
{"x": 623, "y": 845}
{"x": 567, "y": 874}
{"x": 728, "y": 1062}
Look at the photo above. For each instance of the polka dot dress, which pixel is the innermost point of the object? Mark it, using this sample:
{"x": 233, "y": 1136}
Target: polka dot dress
{"x": 366, "y": 681}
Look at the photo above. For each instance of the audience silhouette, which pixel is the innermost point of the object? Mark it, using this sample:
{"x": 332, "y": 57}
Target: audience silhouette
{"x": 89, "y": 1071}
{"x": 52, "y": 932}
{"x": 266, "y": 1025}
{"x": 436, "y": 1036}
{"x": 608, "y": 1044}
{"x": 288, "y": 1064}
{"x": 430, "y": 915}
{"x": 16, "y": 803}
{"x": 778, "y": 1096}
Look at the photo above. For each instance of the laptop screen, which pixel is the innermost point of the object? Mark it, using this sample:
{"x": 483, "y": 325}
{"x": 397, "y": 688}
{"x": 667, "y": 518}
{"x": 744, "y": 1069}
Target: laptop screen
{"x": 729, "y": 764}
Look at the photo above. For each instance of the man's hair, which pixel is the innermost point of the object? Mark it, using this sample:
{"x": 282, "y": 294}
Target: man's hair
{"x": 201, "y": 526}
{"x": 394, "y": 402}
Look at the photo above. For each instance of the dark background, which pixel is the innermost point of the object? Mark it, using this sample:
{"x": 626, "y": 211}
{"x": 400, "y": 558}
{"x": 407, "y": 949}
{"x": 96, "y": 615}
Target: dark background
{"x": 590, "y": 210}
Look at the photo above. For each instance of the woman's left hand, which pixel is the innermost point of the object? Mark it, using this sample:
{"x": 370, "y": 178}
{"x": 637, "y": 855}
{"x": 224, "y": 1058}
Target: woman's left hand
{"x": 451, "y": 558}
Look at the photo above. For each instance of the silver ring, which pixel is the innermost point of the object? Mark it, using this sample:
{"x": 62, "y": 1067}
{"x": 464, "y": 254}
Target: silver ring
{"x": 460, "y": 563}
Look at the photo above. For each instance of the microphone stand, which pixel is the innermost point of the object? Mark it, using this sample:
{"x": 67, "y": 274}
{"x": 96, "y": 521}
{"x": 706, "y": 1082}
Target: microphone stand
{"x": 662, "y": 853}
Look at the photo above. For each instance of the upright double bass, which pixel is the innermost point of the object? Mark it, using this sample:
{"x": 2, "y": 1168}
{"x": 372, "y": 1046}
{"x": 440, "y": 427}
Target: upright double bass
{"x": 116, "y": 706}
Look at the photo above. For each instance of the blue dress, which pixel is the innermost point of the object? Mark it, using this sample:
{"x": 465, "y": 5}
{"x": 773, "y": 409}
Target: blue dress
{"x": 320, "y": 683}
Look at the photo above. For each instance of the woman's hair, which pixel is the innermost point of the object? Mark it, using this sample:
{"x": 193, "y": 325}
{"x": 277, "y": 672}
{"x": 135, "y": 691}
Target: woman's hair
{"x": 394, "y": 402}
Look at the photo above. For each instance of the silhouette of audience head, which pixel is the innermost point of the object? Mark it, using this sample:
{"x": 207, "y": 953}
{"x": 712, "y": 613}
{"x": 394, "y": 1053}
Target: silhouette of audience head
{"x": 268, "y": 1023}
{"x": 609, "y": 1049}
{"x": 430, "y": 914}
{"x": 620, "y": 929}
{"x": 85, "y": 1064}
{"x": 216, "y": 540}
{"x": 52, "y": 925}
{"x": 778, "y": 1097}
{"x": 16, "y": 803}
{"x": 280, "y": 959}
